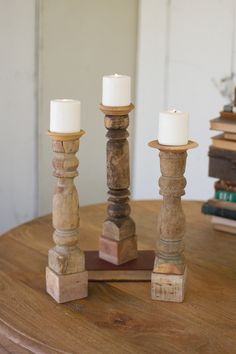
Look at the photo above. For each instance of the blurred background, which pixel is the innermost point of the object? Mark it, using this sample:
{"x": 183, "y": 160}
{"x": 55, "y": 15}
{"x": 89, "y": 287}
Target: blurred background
{"x": 179, "y": 54}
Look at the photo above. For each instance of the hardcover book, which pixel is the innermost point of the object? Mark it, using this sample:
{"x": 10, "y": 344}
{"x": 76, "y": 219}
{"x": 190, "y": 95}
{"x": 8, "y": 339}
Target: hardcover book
{"x": 218, "y": 141}
{"x": 225, "y": 186}
{"x": 223, "y": 221}
{"x": 225, "y": 196}
{"x": 222, "y": 164}
{"x": 223, "y": 224}
{"x": 223, "y": 125}
{"x": 222, "y": 204}
{"x": 230, "y": 136}
{"x": 228, "y": 115}
{"x": 212, "y": 210}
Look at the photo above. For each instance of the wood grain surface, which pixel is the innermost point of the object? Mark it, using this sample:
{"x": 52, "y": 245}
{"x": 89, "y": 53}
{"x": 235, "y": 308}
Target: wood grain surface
{"x": 119, "y": 317}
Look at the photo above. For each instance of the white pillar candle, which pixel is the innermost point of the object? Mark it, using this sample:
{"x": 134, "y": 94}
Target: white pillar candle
{"x": 64, "y": 116}
{"x": 116, "y": 90}
{"x": 173, "y": 128}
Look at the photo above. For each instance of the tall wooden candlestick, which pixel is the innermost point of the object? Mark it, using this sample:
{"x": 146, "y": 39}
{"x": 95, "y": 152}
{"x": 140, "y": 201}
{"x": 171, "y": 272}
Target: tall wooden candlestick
{"x": 66, "y": 278}
{"x": 168, "y": 281}
{"x": 118, "y": 243}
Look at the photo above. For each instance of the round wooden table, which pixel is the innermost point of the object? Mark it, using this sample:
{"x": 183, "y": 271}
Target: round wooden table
{"x": 119, "y": 317}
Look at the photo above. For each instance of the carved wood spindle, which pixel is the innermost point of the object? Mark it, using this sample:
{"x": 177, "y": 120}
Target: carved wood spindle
{"x": 118, "y": 243}
{"x": 66, "y": 278}
{"x": 169, "y": 272}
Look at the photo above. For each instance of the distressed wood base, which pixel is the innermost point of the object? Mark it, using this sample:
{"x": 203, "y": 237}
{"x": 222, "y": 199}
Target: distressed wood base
{"x": 69, "y": 262}
{"x": 139, "y": 269}
{"x": 118, "y": 252}
{"x": 168, "y": 287}
{"x": 64, "y": 288}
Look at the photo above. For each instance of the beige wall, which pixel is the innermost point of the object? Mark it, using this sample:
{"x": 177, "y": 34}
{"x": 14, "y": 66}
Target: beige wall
{"x": 18, "y": 174}
{"x": 80, "y": 41}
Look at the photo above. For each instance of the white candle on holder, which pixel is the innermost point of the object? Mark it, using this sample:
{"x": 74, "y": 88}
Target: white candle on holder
{"x": 116, "y": 90}
{"x": 64, "y": 116}
{"x": 173, "y": 128}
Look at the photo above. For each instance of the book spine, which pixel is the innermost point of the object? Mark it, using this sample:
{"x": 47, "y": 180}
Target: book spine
{"x": 222, "y": 204}
{"x": 225, "y": 196}
{"x": 222, "y": 164}
{"x": 225, "y": 186}
{"x": 225, "y": 213}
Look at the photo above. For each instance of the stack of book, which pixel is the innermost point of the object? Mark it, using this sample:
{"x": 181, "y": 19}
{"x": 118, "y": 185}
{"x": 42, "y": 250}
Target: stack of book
{"x": 222, "y": 165}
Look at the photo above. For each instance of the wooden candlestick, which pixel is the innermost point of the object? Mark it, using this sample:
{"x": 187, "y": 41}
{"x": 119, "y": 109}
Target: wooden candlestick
{"x": 168, "y": 280}
{"x": 118, "y": 243}
{"x": 66, "y": 278}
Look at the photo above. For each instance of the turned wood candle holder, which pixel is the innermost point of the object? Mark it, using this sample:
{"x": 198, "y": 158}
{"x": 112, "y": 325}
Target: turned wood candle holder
{"x": 118, "y": 243}
{"x": 66, "y": 278}
{"x": 168, "y": 282}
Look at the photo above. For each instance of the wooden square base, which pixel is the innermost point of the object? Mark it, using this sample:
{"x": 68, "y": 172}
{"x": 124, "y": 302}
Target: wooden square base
{"x": 68, "y": 287}
{"x": 139, "y": 269}
{"x": 168, "y": 287}
{"x": 118, "y": 252}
